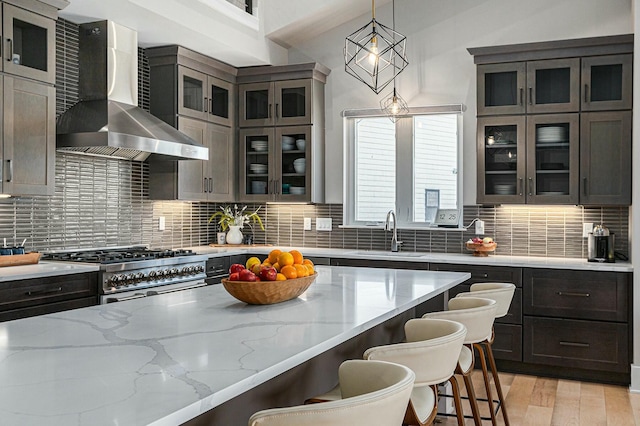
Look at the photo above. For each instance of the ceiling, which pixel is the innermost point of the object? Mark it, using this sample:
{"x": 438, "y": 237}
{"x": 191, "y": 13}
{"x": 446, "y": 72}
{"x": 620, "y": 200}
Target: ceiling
{"x": 221, "y": 30}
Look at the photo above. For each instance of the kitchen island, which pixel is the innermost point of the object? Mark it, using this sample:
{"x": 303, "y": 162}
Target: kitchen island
{"x": 168, "y": 359}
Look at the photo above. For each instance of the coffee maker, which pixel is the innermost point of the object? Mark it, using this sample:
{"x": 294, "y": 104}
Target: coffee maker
{"x": 600, "y": 245}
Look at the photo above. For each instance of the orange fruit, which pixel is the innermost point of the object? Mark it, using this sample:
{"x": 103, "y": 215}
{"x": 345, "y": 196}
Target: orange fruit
{"x": 276, "y": 266}
{"x": 285, "y": 258}
{"x": 307, "y": 262}
{"x": 297, "y": 257}
{"x": 301, "y": 270}
{"x": 280, "y": 277}
{"x": 310, "y": 269}
{"x": 273, "y": 256}
{"x": 289, "y": 272}
{"x": 256, "y": 268}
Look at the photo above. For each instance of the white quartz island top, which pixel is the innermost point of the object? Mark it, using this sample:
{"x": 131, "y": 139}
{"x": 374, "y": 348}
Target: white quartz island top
{"x": 44, "y": 269}
{"x": 166, "y": 359}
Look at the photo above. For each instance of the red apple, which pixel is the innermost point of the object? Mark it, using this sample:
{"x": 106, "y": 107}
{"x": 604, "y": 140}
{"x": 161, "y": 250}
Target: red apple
{"x": 268, "y": 274}
{"x": 234, "y": 276}
{"x": 236, "y": 267}
{"x": 247, "y": 275}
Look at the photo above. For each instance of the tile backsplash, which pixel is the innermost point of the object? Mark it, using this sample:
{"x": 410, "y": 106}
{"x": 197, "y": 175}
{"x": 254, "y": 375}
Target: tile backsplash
{"x": 100, "y": 202}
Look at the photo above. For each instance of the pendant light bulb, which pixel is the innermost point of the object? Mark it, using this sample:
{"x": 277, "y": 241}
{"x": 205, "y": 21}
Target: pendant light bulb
{"x": 373, "y": 51}
{"x": 395, "y": 107}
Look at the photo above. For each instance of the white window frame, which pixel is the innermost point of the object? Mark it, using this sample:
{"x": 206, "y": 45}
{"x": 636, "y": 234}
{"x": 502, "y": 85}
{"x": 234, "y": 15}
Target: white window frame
{"x": 404, "y": 165}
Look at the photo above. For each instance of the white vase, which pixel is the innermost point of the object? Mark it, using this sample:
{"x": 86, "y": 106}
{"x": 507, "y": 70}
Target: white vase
{"x": 234, "y": 236}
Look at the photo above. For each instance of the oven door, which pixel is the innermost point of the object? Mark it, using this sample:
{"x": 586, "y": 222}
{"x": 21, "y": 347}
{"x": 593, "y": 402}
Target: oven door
{"x": 153, "y": 291}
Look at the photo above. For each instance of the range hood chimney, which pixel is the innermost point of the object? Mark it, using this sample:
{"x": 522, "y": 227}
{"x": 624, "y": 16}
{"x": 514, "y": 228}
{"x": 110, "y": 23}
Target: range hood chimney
{"x": 107, "y": 120}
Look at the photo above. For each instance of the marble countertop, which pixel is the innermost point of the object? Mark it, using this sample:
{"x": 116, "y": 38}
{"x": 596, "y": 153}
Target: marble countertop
{"x": 406, "y": 256}
{"x": 165, "y": 359}
{"x": 44, "y": 269}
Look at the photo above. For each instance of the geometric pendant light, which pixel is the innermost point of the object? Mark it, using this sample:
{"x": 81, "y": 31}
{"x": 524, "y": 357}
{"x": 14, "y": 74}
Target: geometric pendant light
{"x": 393, "y": 105}
{"x": 375, "y": 54}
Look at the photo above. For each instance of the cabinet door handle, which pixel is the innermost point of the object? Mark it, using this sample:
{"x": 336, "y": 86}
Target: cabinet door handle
{"x": 276, "y": 186}
{"x": 530, "y": 186}
{"x": 573, "y": 294}
{"x": 269, "y": 111}
{"x": 10, "y": 164}
{"x": 210, "y": 184}
{"x": 521, "y": 96}
{"x": 204, "y": 185}
{"x": 277, "y": 112}
{"x": 574, "y": 344}
{"x": 586, "y": 93}
{"x": 521, "y": 186}
{"x": 530, "y": 96}
{"x": 206, "y": 104}
{"x": 43, "y": 292}
{"x": 210, "y": 105}
{"x": 10, "y": 55}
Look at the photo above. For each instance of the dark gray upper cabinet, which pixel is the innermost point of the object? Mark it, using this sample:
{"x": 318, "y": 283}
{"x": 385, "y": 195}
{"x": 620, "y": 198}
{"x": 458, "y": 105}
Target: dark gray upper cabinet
{"x": 29, "y": 41}
{"x": 569, "y": 154}
{"x": 606, "y": 82}
{"x": 605, "y": 157}
{"x": 197, "y": 95}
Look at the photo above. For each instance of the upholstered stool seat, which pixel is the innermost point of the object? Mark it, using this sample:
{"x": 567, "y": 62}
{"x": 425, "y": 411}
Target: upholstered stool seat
{"x": 373, "y": 393}
{"x": 431, "y": 351}
{"x": 502, "y": 293}
{"x": 477, "y": 314}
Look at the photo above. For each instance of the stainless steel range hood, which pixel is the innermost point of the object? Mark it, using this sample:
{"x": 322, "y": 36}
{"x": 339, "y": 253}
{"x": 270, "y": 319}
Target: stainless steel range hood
{"x": 107, "y": 120}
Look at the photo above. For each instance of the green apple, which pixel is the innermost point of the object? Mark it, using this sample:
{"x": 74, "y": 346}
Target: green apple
{"x": 487, "y": 240}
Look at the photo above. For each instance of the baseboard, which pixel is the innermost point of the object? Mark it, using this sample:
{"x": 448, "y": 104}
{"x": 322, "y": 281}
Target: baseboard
{"x": 635, "y": 379}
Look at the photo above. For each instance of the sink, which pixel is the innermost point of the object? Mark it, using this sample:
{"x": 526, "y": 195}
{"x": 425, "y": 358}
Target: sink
{"x": 386, "y": 253}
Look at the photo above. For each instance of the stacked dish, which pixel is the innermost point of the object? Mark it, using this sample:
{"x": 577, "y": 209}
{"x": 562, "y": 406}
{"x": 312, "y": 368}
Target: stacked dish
{"x": 300, "y": 144}
{"x": 296, "y": 190}
{"x": 551, "y": 134}
{"x": 299, "y": 165}
{"x": 259, "y": 145}
{"x": 258, "y": 168}
{"x": 504, "y": 189}
{"x": 288, "y": 143}
{"x": 258, "y": 187}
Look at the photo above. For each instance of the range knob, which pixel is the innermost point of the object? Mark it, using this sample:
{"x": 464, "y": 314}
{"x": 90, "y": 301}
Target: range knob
{"x": 153, "y": 275}
{"x": 139, "y": 277}
{"x": 114, "y": 280}
{"x": 185, "y": 270}
{"x": 199, "y": 269}
{"x": 173, "y": 272}
{"x": 129, "y": 279}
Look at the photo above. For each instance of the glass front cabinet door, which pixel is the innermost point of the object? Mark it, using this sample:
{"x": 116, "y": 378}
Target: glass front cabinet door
{"x": 293, "y": 145}
{"x": 191, "y": 93}
{"x": 280, "y": 103}
{"x": 606, "y": 82}
{"x": 553, "y": 86}
{"x": 501, "y": 88}
{"x": 257, "y": 156}
{"x": 28, "y": 44}
{"x": 552, "y": 159}
{"x": 501, "y": 160}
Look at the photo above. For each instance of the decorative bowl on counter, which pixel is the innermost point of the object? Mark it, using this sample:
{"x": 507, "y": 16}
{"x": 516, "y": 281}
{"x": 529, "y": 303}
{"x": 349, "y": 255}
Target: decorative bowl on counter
{"x": 481, "y": 249}
{"x": 268, "y": 292}
{"x": 20, "y": 259}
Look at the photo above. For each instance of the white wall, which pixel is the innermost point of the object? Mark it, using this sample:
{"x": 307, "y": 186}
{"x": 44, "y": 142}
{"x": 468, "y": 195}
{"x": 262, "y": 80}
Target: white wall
{"x": 440, "y": 68}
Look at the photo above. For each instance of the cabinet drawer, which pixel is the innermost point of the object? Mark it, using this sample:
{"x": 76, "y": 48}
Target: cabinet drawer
{"x": 484, "y": 274}
{"x": 578, "y": 344}
{"x": 41, "y": 291}
{"x": 577, "y": 294}
{"x": 514, "y": 316}
{"x": 392, "y": 264}
{"x": 48, "y": 308}
{"x": 508, "y": 342}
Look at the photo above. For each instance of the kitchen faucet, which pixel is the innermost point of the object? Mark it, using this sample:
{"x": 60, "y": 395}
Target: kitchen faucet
{"x": 395, "y": 244}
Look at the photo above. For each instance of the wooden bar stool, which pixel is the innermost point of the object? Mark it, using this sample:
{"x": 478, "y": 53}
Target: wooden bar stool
{"x": 431, "y": 351}
{"x": 374, "y": 393}
{"x": 502, "y": 293}
{"x": 477, "y": 315}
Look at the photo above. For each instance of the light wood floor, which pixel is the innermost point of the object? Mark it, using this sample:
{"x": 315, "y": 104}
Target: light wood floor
{"x": 542, "y": 401}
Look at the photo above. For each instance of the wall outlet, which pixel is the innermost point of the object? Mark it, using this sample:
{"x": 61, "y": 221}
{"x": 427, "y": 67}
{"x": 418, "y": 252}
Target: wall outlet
{"x": 323, "y": 224}
{"x": 307, "y": 224}
{"x": 479, "y": 227}
{"x": 161, "y": 223}
{"x": 586, "y": 229}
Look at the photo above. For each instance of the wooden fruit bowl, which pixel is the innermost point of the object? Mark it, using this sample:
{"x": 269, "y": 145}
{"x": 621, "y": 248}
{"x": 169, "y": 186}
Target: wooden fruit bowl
{"x": 20, "y": 259}
{"x": 268, "y": 292}
{"x": 481, "y": 249}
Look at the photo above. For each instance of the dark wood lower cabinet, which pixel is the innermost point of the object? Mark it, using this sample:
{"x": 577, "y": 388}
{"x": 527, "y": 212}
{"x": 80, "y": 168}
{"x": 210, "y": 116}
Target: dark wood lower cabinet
{"x": 39, "y": 296}
{"x": 508, "y": 342}
{"x": 577, "y": 344}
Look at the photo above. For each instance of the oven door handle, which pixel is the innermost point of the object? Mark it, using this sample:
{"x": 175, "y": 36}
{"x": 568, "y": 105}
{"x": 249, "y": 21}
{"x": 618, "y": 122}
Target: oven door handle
{"x": 191, "y": 287}
{"x": 122, "y": 299}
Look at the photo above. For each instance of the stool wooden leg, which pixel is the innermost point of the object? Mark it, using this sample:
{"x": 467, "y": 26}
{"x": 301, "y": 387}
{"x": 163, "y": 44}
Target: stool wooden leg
{"x": 457, "y": 400}
{"x": 472, "y": 398}
{"x": 496, "y": 379}
{"x": 487, "y": 384}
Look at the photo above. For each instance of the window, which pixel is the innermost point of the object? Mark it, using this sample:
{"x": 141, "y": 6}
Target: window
{"x": 410, "y": 166}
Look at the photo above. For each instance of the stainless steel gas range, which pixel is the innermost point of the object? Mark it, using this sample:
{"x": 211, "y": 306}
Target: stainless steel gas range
{"x": 133, "y": 272}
